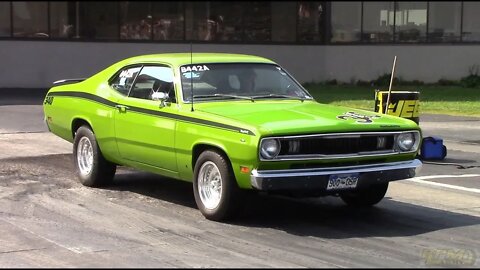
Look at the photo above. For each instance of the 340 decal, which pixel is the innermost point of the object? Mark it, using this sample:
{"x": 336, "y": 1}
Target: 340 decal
{"x": 48, "y": 100}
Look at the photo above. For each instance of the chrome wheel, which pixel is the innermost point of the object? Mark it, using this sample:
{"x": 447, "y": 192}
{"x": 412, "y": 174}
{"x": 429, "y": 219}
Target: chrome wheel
{"x": 209, "y": 185}
{"x": 85, "y": 156}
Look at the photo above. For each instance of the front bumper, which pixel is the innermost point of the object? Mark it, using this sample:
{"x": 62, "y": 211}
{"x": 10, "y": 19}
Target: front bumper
{"x": 317, "y": 179}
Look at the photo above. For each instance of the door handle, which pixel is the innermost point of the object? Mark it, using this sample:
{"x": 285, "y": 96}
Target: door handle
{"x": 121, "y": 108}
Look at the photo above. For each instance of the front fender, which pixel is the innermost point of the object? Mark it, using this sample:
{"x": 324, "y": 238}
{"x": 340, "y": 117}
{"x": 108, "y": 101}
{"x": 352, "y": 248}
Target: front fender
{"x": 240, "y": 149}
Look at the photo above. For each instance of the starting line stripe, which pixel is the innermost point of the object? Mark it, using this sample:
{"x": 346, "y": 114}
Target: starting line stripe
{"x": 421, "y": 180}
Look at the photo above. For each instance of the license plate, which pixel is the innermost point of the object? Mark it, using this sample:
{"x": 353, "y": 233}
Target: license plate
{"x": 342, "y": 181}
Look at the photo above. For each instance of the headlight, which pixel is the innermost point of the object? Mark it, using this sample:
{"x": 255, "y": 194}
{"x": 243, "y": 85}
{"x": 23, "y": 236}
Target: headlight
{"x": 270, "y": 148}
{"x": 406, "y": 141}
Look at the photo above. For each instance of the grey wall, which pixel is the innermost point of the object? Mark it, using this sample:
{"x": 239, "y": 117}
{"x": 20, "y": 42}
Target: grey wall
{"x": 26, "y": 64}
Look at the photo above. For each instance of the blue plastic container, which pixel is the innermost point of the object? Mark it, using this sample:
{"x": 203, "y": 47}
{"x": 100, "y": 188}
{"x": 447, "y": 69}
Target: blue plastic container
{"x": 433, "y": 148}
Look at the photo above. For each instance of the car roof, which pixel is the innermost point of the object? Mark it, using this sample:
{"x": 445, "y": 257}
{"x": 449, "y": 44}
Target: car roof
{"x": 179, "y": 59}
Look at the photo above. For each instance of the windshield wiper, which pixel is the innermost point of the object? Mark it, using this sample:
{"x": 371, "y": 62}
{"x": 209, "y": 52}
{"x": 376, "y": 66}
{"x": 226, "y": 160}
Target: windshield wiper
{"x": 279, "y": 96}
{"x": 223, "y": 95}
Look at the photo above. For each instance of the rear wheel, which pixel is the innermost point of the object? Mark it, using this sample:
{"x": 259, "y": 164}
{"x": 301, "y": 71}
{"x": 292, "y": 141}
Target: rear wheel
{"x": 365, "y": 197}
{"x": 215, "y": 189}
{"x": 92, "y": 168}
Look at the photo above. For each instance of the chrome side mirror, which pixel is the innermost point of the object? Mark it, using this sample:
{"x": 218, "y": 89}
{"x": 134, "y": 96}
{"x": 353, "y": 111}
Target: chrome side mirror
{"x": 160, "y": 96}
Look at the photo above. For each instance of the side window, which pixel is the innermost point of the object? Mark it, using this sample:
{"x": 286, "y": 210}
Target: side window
{"x": 124, "y": 80}
{"x": 154, "y": 79}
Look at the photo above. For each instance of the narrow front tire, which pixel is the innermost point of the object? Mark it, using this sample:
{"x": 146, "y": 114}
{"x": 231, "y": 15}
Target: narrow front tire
{"x": 216, "y": 192}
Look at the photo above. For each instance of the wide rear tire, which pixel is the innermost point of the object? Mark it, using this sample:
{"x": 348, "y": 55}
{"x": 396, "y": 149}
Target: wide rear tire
{"x": 93, "y": 170}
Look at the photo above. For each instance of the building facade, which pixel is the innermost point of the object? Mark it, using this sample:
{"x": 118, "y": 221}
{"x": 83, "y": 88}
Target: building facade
{"x": 43, "y": 41}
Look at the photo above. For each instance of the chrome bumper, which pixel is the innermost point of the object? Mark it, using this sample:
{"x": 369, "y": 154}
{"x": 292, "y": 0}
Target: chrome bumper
{"x": 317, "y": 178}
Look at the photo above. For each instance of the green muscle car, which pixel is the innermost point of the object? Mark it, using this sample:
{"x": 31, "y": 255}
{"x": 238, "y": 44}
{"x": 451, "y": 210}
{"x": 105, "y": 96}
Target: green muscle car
{"x": 229, "y": 124}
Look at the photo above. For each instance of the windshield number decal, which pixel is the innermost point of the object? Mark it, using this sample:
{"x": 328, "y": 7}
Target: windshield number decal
{"x": 194, "y": 68}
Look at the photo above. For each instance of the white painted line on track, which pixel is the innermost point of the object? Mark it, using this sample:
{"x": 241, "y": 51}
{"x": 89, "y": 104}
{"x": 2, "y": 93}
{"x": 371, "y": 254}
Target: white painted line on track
{"x": 445, "y": 176}
{"x": 421, "y": 180}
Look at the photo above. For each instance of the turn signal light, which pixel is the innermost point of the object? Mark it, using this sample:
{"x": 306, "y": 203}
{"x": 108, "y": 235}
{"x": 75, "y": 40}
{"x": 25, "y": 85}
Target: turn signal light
{"x": 244, "y": 169}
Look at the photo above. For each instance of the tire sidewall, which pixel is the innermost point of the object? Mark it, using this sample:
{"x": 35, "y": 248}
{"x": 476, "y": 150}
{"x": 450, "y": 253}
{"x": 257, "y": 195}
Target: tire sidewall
{"x": 87, "y": 179}
{"x": 366, "y": 197}
{"x": 228, "y": 186}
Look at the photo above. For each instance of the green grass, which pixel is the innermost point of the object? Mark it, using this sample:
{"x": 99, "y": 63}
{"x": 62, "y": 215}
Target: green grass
{"x": 451, "y": 100}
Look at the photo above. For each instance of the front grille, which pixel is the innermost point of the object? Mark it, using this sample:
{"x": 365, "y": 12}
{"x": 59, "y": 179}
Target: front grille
{"x": 336, "y": 145}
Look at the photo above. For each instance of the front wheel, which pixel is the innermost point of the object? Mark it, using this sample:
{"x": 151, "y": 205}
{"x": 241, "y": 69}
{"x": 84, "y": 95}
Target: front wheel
{"x": 215, "y": 188}
{"x": 93, "y": 169}
{"x": 365, "y": 197}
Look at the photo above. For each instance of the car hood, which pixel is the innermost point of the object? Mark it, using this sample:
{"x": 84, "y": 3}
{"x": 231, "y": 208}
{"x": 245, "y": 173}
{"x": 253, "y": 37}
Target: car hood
{"x": 294, "y": 117}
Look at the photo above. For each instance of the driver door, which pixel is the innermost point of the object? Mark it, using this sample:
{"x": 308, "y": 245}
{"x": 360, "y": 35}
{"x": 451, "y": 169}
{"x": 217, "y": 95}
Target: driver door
{"x": 144, "y": 129}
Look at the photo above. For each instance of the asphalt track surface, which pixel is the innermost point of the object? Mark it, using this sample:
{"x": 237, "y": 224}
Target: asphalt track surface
{"x": 48, "y": 219}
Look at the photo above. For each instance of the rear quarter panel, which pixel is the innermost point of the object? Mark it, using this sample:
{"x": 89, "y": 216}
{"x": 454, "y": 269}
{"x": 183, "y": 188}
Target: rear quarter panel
{"x": 71, "y": 103}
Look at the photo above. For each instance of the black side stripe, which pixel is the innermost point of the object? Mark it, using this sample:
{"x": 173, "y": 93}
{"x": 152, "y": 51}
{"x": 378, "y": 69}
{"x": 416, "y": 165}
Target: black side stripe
{"x": 150, "y": 112}
{"x": 83, "y": 95}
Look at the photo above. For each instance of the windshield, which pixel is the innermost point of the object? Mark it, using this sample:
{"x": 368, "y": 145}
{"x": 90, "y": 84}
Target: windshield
{"x": 238, "y": 81}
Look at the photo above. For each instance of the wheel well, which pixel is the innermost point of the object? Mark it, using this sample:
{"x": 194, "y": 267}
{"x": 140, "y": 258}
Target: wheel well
{"x": 199, "y": 148}
{"x": 78, "y": 123}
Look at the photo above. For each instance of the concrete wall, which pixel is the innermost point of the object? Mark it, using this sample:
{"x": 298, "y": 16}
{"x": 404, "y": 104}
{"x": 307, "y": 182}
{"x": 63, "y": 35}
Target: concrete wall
{"x": 36, "y": 64}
